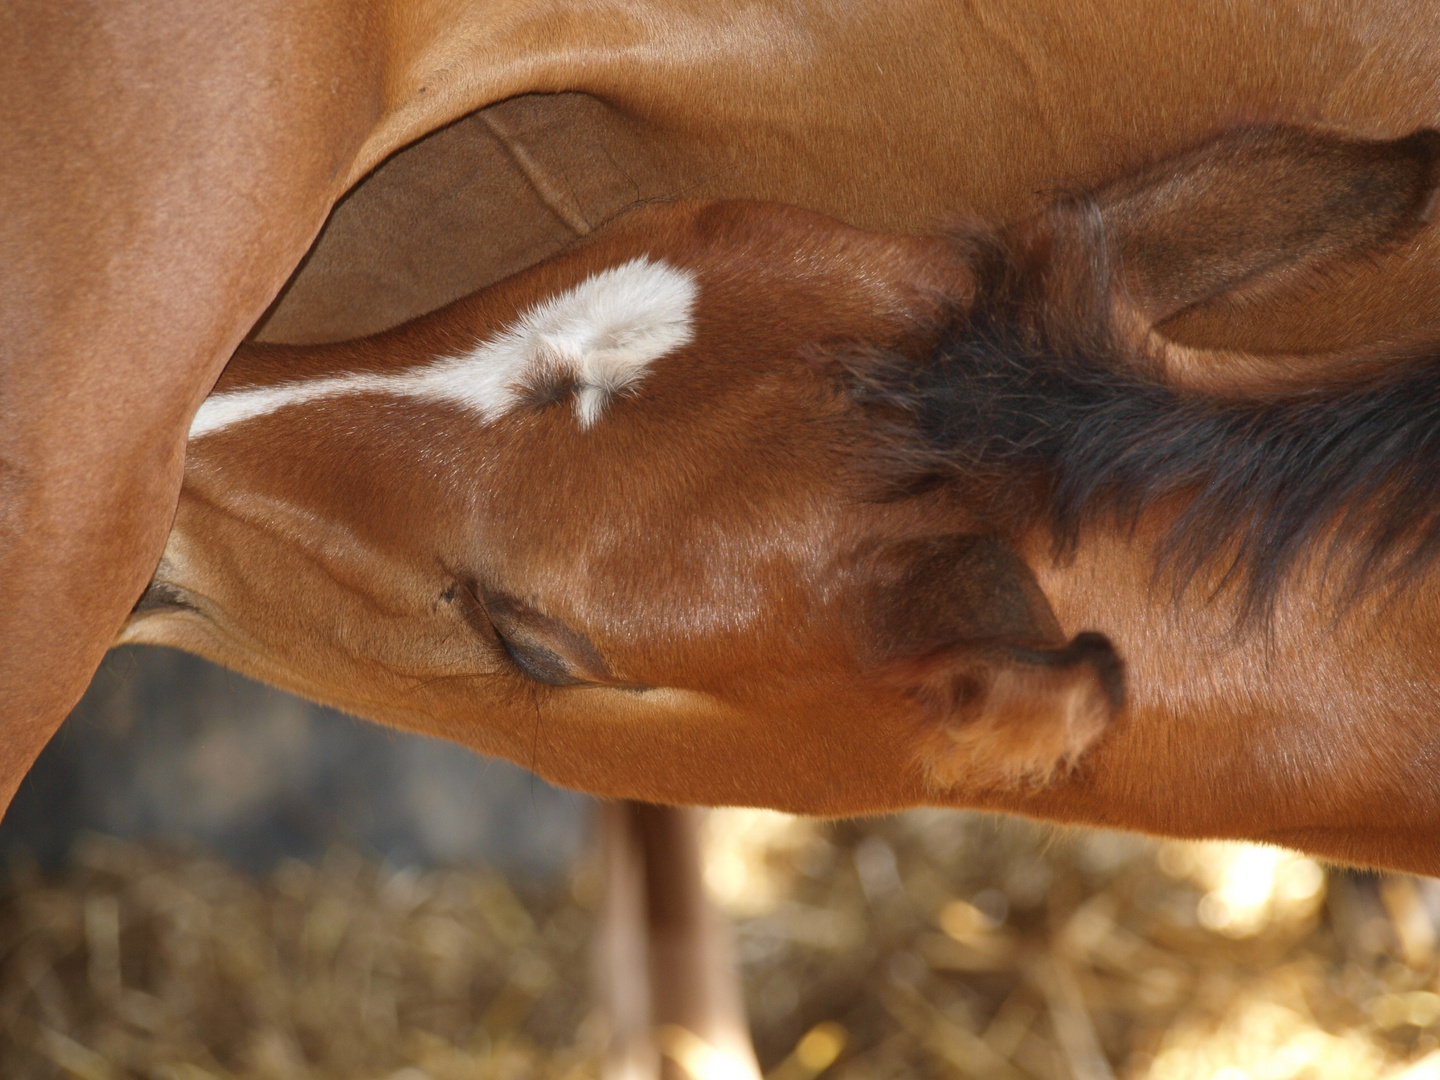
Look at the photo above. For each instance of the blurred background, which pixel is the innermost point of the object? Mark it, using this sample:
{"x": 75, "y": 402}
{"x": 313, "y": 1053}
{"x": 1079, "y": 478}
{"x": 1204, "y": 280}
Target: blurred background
{"x": 206, "y": 879}
{"x": 168, "y": 748}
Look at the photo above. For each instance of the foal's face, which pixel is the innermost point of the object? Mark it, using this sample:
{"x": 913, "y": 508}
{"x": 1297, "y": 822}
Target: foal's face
{"x": 621, "y": 532}
{"x": 728, "y": 507}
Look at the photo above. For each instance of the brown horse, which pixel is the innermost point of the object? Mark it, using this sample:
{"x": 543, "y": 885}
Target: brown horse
{"x": 164, "y": 167}
{"x": 738, "y": 504}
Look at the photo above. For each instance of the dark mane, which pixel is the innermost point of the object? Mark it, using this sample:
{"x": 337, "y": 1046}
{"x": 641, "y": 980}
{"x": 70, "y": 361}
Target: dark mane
{"x": 1034, "y": 407}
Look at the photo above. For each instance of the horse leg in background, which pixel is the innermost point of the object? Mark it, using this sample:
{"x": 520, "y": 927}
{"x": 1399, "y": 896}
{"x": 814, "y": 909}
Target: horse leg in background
{"x": 621, "y": 955}
{"x": 667, "y": 971}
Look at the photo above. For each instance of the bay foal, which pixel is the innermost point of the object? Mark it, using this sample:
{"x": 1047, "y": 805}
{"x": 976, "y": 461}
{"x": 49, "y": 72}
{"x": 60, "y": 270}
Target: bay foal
{"x": 165, "y": 167}
{"x": 737, "y": 504}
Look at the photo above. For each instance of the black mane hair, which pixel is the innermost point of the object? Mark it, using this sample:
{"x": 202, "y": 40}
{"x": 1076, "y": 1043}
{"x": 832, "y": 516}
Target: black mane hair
{"x": 1034, "y": 407}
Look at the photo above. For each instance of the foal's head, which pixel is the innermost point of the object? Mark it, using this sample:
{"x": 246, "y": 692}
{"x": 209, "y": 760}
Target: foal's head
{"x": 664, "y": 517}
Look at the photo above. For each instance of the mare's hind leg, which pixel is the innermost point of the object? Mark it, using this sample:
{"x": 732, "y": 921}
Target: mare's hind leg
{"x": 1260, "y": 204}
{"x": 667, "y": 970}
{"x": 1245, "y": 214}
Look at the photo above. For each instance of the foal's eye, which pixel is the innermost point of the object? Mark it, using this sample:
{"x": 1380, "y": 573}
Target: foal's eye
{"x": 542, "y": 648}
{"x": 540, "y": 664}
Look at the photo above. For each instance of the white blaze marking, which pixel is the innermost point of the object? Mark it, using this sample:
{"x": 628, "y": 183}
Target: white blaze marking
{"x": 601, "y": 336}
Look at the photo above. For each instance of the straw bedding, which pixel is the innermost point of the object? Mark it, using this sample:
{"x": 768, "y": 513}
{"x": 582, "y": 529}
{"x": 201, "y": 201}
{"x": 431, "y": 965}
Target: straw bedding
{"x": 924, "y": 945}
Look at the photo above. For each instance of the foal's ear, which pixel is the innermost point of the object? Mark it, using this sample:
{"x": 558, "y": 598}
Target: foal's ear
{"x": 960, "y": 624}
{"x": 1257, "y": 203}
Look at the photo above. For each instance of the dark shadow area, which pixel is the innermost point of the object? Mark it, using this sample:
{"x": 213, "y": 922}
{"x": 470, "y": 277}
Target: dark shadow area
{"x": 166, "y": 748}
